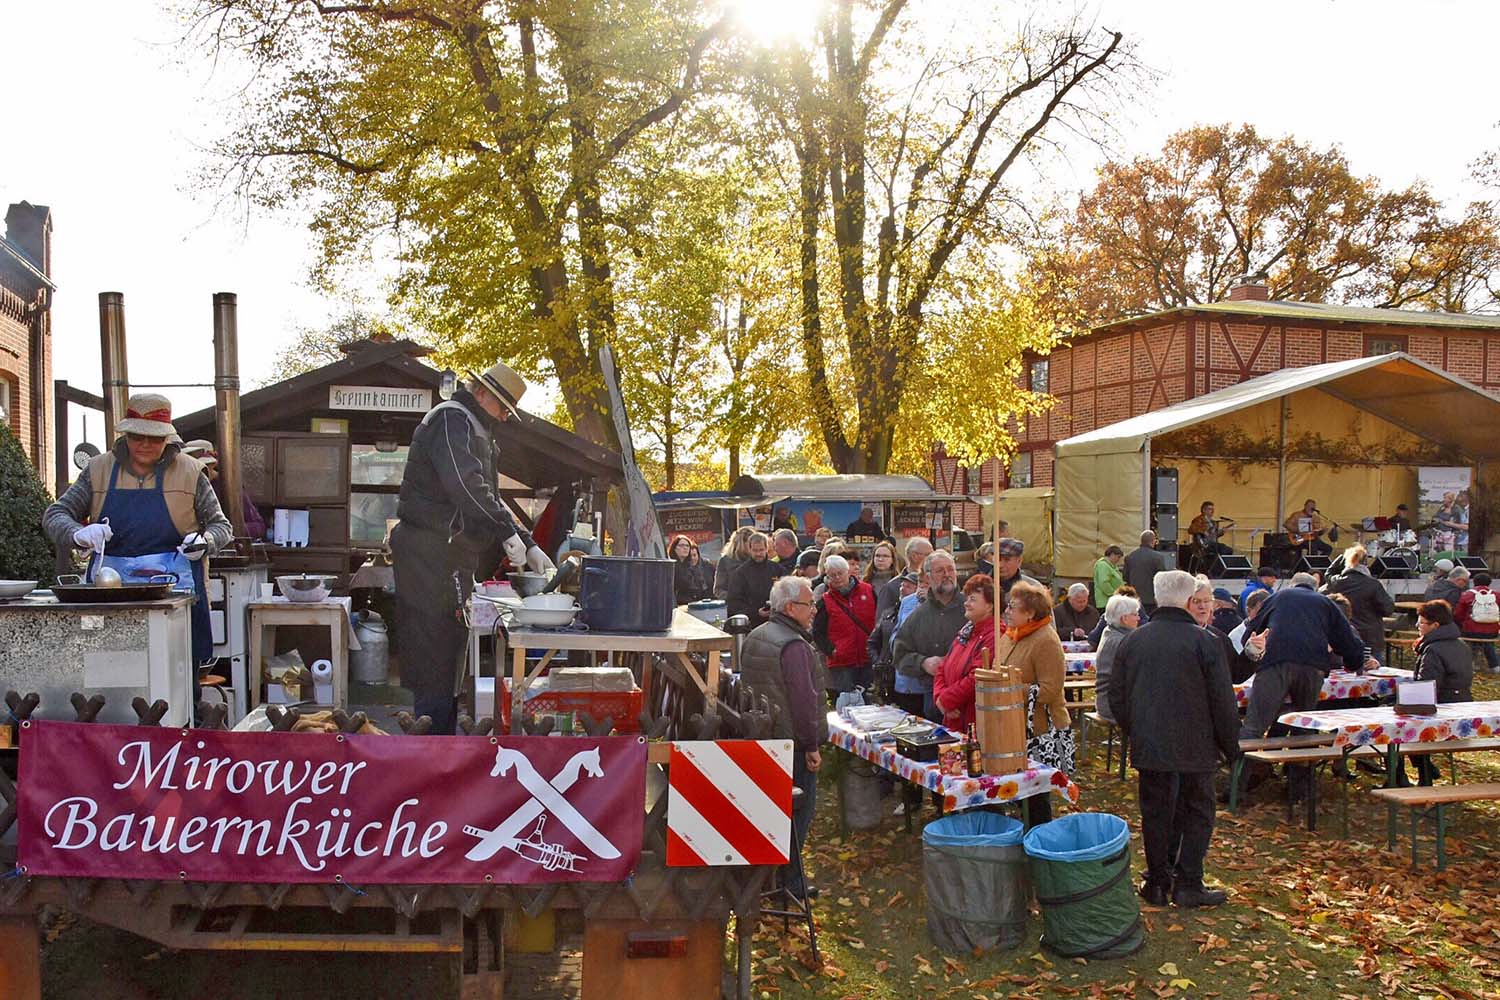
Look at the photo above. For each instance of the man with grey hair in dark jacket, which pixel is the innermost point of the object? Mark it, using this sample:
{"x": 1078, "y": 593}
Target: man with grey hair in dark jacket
{"x": 778, "y": 660}
{"x": 1170, "y": 693}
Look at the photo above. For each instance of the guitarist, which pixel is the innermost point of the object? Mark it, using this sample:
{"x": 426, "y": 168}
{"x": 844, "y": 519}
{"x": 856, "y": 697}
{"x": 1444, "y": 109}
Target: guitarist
{"x": 1206, "y": 530}
{"x": 1306, "y": 528}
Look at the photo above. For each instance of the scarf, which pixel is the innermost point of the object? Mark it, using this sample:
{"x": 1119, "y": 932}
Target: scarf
{"x": 967, "y": 632}
{"x": 1019, "y": 632}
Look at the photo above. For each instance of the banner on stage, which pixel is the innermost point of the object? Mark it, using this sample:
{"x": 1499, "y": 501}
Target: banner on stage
{"x": 105, "y": 801}
{"x": 1443, "y": 505}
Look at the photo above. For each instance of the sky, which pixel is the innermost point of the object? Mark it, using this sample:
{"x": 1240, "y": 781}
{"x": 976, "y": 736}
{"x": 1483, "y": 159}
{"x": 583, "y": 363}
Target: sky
{"x": 111, "y": 121}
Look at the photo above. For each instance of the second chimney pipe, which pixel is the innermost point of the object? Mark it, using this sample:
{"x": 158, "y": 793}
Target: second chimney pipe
{"x": 112, "y": 365}
{"x": 227, "y": 405}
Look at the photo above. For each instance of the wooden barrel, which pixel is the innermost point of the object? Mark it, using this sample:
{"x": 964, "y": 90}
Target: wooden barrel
{"x": 1000, "y": 710}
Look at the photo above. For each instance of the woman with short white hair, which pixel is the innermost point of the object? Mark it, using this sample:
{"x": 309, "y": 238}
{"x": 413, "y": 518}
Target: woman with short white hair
{"x": 1121, "y": 615}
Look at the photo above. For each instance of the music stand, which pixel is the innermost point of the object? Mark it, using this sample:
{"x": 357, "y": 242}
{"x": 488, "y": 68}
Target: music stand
{"x": 1474, "y": 564}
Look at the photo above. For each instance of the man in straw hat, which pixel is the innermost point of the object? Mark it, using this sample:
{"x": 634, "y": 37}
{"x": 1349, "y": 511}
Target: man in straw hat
{"x": 450, "y": 516}
{"x": 151, "y": 504}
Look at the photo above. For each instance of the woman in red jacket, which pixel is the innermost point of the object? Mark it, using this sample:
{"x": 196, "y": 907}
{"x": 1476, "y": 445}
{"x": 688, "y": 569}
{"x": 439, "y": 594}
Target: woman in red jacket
{"x": 953, "y": 685}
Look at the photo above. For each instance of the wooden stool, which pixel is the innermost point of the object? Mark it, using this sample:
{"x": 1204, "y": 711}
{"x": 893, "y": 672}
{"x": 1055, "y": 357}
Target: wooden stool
{"x": 326, "y": 614}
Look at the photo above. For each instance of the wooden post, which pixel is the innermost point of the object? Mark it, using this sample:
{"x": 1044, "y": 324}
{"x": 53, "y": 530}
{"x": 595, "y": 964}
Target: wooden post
{"x": 20, "y": 958}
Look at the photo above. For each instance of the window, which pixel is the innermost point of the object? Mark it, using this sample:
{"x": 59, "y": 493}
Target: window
{"x": 1039, "y": 379}
{"x": 975, "y": 483}
{"x": 1383, "y": 344}
{"x": 1020, "y": 470}
{"x": 369, "y": 466}
{"x": 4, "y": 400}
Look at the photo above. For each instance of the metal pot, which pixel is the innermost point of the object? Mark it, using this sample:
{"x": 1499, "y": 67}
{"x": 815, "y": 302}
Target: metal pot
{"x": 527, "y": 584}
{"x": 627, "y": 594}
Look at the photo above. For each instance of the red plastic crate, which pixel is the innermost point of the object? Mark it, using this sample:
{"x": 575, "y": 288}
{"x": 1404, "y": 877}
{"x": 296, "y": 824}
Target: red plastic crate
{"x": 623, "y": 706}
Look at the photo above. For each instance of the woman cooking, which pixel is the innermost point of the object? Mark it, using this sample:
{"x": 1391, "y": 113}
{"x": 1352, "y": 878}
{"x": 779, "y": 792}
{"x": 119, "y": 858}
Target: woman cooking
{"x": 161, "y": 511}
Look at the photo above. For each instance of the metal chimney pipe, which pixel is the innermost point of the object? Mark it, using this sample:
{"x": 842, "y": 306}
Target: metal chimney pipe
{"x": 227, "y": 405}
{"x": 112, "y": 362}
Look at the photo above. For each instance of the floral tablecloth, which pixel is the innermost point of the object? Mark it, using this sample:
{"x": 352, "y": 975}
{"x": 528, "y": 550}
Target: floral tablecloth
{"x": 958, "y": 793}
{"x": 1079, "y": 662}
{"x": 1075, "y": 646}
{"x": 1358, "y": 727}
{"x": 1341, "y": 685}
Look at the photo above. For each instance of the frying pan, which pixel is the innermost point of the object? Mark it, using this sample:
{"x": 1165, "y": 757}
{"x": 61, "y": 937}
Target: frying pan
{"x": 70, "y": 588}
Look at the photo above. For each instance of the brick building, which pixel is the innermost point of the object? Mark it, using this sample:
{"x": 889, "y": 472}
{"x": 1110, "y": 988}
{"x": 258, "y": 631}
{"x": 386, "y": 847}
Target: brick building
{"x": 26, "y": 330}
{"x": 1136, "y": 365}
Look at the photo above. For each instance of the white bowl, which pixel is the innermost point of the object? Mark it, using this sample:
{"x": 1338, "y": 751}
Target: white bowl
{"x": 541, "y": 618}
{"x": 549, "y": 602}
{"x": 16, "y": 588}
{"x": 301, "y": 589}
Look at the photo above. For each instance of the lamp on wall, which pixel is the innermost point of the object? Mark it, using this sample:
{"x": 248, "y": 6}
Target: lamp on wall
{"x": 449, "y": 384}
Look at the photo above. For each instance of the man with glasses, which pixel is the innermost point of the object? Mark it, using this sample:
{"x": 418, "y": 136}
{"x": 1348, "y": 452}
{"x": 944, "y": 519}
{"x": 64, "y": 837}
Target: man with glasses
{"x": 926, "y": 635}
{"x": 778, "y": 661}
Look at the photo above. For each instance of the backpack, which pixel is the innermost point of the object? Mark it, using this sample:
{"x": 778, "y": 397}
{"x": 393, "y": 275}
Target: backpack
{"x": 1486, "y": 610}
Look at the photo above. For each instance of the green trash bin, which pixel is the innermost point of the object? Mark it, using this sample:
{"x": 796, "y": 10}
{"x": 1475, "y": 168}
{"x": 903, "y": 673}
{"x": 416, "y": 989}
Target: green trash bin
{"x": 1080, "y": 868}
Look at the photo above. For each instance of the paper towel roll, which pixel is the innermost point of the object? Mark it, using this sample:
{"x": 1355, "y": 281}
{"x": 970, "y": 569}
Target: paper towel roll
{"x": 322, "y": 670}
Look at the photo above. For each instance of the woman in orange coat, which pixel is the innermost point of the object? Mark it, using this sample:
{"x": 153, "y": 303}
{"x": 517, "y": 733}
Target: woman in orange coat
{"x": 1030, "y": 643}
{"x": 953, "y": 684}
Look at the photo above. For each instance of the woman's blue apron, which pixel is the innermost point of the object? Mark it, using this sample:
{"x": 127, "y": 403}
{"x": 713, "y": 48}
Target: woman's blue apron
{"x": 143, "y": 526}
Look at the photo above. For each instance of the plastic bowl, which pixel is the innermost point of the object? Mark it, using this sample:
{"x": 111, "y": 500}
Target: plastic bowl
{"x": 545, "y": 618}
{"x": 304, "y": 589}
{"x": 549, "y": 602}
{"x": 15, "y": 588}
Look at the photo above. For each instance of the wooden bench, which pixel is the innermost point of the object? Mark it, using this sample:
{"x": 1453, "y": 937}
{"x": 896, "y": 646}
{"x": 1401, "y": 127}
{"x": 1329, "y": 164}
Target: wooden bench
{"x": 1422, "y": 801}
{"x": 1265, "y": 743}
{"x": 1313, "y": 754}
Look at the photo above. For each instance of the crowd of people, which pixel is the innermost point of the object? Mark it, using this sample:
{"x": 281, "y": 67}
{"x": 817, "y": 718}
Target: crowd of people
{"x": 1169, "y": 647}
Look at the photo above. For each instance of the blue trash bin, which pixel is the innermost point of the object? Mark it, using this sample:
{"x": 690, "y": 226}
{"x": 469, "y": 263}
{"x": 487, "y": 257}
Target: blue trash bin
{"x": 975, "y": 880}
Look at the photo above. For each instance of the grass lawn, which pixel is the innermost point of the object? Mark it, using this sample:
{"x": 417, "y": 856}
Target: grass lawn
{"x": 1309, "y": 915}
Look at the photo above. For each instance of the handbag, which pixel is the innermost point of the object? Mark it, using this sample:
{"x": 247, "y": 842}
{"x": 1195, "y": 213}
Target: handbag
{"x": 1054, "y": 748}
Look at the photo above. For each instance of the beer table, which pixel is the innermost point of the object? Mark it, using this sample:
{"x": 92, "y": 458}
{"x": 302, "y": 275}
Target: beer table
{"x": 959, "y": 792}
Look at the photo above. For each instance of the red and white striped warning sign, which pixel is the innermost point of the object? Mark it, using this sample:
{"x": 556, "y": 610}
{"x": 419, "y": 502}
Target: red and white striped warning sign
{"x": 730, "y": 804}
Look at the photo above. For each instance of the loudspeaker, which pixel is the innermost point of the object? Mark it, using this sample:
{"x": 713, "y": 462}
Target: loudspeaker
{"x": 1232, "y": 567}
{"x": 1165, "y": 517}
{"x": 1474, "y": 564}
{"x": 1281, "y": 557}
{"x": 1168, "y": 556}
{"x": 1395, "y": 565}
{"x": 1163, "y": 486}
{"x": 1313, "y": 564}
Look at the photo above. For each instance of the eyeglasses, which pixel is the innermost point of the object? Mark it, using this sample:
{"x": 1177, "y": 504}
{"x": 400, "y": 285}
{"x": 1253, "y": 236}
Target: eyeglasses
{"x": 807, "y": 604}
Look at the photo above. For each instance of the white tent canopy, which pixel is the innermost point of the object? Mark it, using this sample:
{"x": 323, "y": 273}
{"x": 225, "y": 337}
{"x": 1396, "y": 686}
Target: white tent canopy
{"x": 1103, "y": 476}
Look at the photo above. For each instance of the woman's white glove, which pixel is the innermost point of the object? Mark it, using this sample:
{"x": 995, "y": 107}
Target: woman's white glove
{"x": 537, "y": 561}
{"x": 515, "y": 551}
{"x": 93, "y": 536}
{"x": 194, "y": 545}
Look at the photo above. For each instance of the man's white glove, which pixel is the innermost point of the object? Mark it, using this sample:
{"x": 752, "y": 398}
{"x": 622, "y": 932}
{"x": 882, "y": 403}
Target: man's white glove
{"x": 537, "y": 561}
{"x": 515, "y": 551}
{"x": 194, "y": 545}
{"x": 93, "y": 536}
